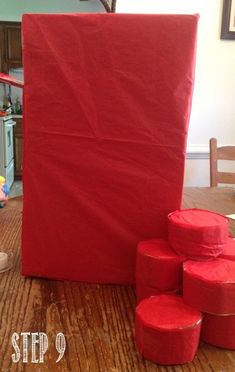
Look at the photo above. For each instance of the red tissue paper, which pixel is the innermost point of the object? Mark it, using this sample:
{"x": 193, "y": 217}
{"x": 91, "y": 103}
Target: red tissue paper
{"x": 105, "y": 124}
{"x": 157, "y": 265}
{"x": 197, "y": 234}
{"x": 219, "y": 330}
{"x": 210, "y": 286}
{"x": 229, "y": 250}
{"x": 145, "y": 291}
{"x": 167, "y": 330}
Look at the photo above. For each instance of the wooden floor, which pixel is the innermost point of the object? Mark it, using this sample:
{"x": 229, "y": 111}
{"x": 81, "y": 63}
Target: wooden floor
{"x": 97, "y": 320}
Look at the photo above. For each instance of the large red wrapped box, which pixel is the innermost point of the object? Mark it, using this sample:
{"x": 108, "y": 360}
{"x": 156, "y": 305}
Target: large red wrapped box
{"x": 105, "y": 123}
{"x": 158, "y": 266}
{"x": 229, "y": 250}
{"x": 219, "y": 330}
{"x": 167, "y": 330}
{"x": 198, "y": 234}
{"x": 210, "y": 286}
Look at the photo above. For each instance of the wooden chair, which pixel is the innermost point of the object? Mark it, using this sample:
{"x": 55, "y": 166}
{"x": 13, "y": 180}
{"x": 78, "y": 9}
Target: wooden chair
{"x": 220, "y": 153}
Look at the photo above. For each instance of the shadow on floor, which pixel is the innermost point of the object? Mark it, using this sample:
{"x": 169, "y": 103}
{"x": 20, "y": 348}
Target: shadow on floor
{"x": 16, "y": 189}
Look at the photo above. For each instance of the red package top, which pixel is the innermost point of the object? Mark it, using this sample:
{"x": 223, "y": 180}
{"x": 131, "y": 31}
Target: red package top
{"x": 210, "y": 286}
{"x": 219, "y": 330}
{"x": 167, "y": 312}
{"x": 167, "y": 330}
{"x": 10, "y": 80}
{"x": 100, "y": 162}
{"x": 197, "y": 234}
{"x": 157, "y": 265}
{"x": 158, "y": 249}
{"x": 197, "y": 218}
{"x": 229, "y": 250}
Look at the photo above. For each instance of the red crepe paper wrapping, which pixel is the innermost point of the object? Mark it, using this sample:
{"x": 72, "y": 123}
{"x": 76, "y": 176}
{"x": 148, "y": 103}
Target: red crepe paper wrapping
{"x": 144, "y": 291}
{"x": 197, "y": 234}
{"x": 219, "y": 330}
{"x": 229, "y": 250}
{"x": 105, "y": 125}
{"x": 158, "y": 266}
{"x": 210, "y": 286}
{"x": 167, "y": 330}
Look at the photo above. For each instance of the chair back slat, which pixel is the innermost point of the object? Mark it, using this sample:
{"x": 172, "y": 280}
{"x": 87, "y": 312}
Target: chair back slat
{"x": 226, "y": 177}
{"x": 226, "y": 153}
{"x": 220, "y": 153}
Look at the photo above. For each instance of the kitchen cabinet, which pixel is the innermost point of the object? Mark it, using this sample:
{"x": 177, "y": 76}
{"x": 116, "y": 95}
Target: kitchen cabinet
{"x": 7, "y": 149}
{"x": 10, "y": 46}
{"x": 18, "y": 145}
{"x": 11, "y": 57}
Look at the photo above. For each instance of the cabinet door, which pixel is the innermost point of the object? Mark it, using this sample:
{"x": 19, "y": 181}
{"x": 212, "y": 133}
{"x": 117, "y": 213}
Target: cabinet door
{"x": 18, "y": 144}
{"x": 10, "y": 46}
{"x": 2, "y": 48}
{"x": 13, "y": 45}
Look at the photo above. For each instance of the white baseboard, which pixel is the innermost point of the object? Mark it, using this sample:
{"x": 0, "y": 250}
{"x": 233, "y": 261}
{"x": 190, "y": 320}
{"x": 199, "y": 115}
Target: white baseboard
{"x": 197, "y": 152}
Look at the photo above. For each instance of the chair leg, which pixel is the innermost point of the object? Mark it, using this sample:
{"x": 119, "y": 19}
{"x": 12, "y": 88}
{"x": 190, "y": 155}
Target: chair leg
{"x": 213, "y": 162}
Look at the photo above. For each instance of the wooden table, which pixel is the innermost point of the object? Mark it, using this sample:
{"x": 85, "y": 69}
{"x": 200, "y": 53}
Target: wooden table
{"x": 97, "y": 320}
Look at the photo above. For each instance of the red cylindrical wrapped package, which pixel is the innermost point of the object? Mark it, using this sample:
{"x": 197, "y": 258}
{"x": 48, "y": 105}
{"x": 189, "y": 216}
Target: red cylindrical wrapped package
{"x": 197, "y": 234}
{"x": 210, "y": 286}
{"x": 143, "y": 291}
{"x": 229, "y": 250}
{"x": 167, "y": 330}
{"x": 219, "y": 330}
{"x": 158, "y": 266}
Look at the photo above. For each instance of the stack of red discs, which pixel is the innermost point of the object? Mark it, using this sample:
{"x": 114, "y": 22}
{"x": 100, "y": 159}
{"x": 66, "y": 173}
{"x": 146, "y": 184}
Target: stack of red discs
{"x": 158, "y": 269}
{"x": 210, "y": 288}
{"x": 198, "y": 242}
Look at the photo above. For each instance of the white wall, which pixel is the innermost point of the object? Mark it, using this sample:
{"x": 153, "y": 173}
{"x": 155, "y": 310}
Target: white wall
{"x": 213, "y": 110}
{"x": 197, "y": 172}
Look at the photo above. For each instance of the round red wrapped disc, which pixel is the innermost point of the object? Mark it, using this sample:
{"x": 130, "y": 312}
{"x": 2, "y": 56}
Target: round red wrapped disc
{"x": 229, "y": 250}
{"x": 210, "y": 286}
{"x": 167, "y": 330}
{"x": 197, "y": 234}
{"x": 219, "y": 330}
{"x": 158, "y": 266}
